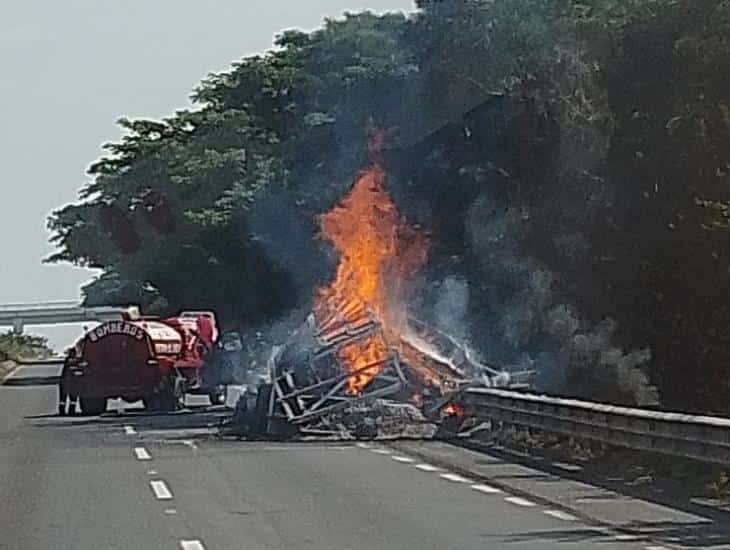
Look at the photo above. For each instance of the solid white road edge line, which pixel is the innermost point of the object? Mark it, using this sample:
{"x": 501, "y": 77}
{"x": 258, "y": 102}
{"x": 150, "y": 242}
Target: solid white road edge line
{"x": 191, "y": 545}
{"x": 455, "y": 478}
{"x": 142, "y": 454}
{"x": 160, "y": 489}
{"x": 520, "y": 502}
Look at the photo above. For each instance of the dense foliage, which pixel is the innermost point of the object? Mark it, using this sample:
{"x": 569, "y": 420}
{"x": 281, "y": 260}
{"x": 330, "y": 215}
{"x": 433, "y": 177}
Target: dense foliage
{"x": 569, "y": 158}
{"x": 16, "y": 346}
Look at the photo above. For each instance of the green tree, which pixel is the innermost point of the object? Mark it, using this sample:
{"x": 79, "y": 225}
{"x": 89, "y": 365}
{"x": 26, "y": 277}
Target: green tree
{"x": 22, "y": 346}
{"x": 569, "y": 158}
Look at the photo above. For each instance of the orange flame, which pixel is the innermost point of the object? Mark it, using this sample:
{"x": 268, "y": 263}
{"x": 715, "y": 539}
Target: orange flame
{"x": 378, "y": 253}
{"x": 452, "y": 409}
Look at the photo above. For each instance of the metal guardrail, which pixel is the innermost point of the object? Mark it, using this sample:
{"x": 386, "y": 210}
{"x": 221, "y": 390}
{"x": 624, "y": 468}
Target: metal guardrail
{"x": 705, "y": 438}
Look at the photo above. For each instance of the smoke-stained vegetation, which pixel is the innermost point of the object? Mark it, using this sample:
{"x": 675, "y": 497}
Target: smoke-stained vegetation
{"x": 570, "y": 161}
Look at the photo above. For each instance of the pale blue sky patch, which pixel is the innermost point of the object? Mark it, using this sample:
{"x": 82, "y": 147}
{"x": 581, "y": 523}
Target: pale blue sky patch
{"x": 69, "y": 69}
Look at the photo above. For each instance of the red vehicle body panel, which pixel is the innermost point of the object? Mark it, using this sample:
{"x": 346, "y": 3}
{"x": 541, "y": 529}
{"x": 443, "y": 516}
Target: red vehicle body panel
{"x": 131, "y": 358}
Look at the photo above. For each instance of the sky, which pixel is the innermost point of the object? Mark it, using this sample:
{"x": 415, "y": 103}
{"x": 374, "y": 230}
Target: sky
{"x": 69, "y": 70}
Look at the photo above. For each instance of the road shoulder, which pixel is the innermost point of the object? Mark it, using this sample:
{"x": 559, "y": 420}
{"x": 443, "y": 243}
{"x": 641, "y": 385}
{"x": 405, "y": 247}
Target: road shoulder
{"x": 6, "y": 369}
{"x": 648, "y": 518}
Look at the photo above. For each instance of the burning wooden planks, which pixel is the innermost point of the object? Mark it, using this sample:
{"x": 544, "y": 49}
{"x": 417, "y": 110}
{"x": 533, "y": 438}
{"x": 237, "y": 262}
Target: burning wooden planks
{"x": 310, "y": 388}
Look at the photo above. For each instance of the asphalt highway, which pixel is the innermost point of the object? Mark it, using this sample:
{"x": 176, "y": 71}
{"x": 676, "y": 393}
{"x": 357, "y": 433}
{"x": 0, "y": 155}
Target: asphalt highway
{"x": 127, "y": 480}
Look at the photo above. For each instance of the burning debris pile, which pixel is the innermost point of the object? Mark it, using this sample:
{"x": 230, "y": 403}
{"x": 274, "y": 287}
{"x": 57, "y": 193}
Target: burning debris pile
{"x": 359, "y": 346}
{"x": 362, "y": 381}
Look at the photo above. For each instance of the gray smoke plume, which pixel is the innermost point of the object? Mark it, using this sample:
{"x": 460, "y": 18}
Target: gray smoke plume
{"x": 533, "y": 325}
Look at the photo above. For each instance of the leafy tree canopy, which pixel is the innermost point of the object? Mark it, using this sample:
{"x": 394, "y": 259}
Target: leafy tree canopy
{"x": 570, "y": 158}
{"x": 22, "y": 346}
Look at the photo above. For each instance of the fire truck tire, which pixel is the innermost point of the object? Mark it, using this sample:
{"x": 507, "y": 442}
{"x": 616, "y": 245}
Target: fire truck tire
{"x": 168, "y": 401}
{"x": 172, "y": 395}
{"x": 92, "y": 406}
{"x": 151, "y": 402}
{"x": 62, "y": 397}
{"x": 218, "y": 396}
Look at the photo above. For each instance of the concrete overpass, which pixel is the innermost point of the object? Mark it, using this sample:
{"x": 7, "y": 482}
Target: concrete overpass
{"x": 18, "y": 316}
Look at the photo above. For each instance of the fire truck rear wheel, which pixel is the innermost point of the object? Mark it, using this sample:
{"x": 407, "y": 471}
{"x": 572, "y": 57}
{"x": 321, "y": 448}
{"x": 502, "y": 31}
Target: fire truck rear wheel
{"x": 171, "y": 395}
{"x": 218, "y": 396}
{"x": 92, "y": 405}
{"x": 168, "y": 401}
{"x": 151, "y": 402}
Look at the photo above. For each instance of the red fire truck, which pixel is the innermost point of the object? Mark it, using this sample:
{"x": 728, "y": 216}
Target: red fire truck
{"x": 152, "y": 359}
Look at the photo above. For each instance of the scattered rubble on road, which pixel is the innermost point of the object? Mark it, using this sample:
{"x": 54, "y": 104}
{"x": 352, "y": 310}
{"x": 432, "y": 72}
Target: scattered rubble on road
{"x": 407, "y": 391}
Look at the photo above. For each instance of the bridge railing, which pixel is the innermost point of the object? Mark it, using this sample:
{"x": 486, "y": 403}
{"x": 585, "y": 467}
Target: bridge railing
{"x": 58, "y": 304}
{"x": 705, "y": 438}
{"x": 48, "y": 313}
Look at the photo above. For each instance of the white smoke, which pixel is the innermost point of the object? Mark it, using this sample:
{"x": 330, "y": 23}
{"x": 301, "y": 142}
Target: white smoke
{"x": 451, "y": 307}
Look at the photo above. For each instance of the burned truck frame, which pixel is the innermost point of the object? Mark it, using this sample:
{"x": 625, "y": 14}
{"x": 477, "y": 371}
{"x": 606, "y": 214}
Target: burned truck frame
{"x": 309, "y": 392}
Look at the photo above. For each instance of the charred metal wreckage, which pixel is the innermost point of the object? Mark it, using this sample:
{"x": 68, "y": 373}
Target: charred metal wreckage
{"x": 407, "y": 392}
{"x": 359, "y": 365}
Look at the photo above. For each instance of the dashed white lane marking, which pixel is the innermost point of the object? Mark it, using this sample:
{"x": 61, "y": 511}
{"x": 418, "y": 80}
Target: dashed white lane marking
{"x": 362, "y": 445}
{"x": 191, "y": 545}
{"x": 455, "y": 478}
{"x": 170, "y": 511}
{"x": 488, "y": 489}
{"x": 427, "y": 468}
{"x": 657, "y": 548}
{"x": 151, "y": 472}
{"x": 567, "y": 467}
{"x": 129, "y": 430}
{"x": 520, "y": 502}
{"x": 142, "y": 454}
{"x": 624, "y": 538}
{"x": 382, "y": 451}
{"x": 162, "y": 492}
{"x": 403, "y": 459}
{"x": 557, "y": 514}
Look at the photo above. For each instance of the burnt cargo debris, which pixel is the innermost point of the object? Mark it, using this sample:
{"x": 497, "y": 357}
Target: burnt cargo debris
{"x": 311, "y": 389}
